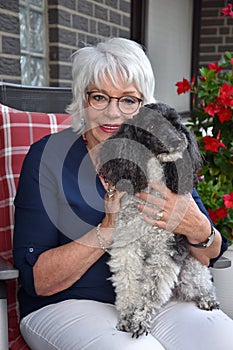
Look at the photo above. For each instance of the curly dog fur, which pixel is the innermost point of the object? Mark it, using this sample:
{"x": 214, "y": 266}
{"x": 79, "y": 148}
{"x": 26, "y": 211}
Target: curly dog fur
{"x": 151, "y": 265}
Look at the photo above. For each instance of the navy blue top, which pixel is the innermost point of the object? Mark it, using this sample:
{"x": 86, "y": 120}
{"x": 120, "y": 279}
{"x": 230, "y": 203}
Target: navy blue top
{"x": 59, "y": 199}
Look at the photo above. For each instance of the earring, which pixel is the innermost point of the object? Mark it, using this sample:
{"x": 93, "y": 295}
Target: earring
{"x": 84, "y": 138}
{"x": 82, "y": 121}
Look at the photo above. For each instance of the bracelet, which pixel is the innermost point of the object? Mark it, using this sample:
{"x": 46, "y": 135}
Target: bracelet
{"x": 208, "y": 242}
{"x": 102, "y": 239}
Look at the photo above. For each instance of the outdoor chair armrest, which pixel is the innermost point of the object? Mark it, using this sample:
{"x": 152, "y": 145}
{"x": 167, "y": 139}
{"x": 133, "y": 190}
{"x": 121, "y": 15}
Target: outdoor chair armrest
{"x": 222, "y": 263}
{"x": 7, "y": 272}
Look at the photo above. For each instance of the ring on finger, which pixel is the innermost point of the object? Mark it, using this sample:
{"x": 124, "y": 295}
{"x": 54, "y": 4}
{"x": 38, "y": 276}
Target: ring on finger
{"x": 110, "y": 192}
{"x": 159, "y": 215}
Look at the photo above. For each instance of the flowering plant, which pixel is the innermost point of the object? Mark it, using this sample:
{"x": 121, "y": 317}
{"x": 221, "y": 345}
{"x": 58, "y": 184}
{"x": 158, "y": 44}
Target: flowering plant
{"x": 212, "y": 122}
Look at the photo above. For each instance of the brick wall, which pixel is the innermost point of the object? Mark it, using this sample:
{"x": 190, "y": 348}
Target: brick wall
{"x": 9, "y": 42}
{"x": 216, "y": 32}
{"x": 70, "y": 24}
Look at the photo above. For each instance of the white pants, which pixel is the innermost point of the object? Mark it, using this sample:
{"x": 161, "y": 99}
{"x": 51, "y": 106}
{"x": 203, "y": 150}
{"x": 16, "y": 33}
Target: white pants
{"x": 91, "y": 325}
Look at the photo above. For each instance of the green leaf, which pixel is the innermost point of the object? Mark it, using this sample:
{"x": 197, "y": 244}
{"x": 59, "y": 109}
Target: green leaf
{"x": 203, "y": 71}
{"x": 228, "y": 55}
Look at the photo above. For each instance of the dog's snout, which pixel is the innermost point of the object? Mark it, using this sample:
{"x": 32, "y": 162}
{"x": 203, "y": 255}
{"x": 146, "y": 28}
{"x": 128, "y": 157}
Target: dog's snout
{"x": 125, "y": 185}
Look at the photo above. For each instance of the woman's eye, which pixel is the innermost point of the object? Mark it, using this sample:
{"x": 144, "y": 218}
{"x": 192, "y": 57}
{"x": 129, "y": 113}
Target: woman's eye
{"x": 99, "y": 98}
{"x": 128, "y": 100}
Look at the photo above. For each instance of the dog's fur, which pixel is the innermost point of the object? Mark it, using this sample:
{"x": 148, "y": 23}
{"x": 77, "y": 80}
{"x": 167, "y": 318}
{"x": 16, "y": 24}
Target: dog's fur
{"x": 150, "y": 265}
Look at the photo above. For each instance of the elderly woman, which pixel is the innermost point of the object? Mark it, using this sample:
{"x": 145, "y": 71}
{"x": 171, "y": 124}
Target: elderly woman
{"x": 66, "y": 298}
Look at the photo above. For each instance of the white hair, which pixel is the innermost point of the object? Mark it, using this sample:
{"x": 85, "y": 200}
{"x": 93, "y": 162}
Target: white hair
{"x": 109, "y": 59}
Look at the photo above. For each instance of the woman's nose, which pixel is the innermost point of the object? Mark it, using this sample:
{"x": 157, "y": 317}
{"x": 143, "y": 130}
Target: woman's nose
{"x": 112, "y": 109}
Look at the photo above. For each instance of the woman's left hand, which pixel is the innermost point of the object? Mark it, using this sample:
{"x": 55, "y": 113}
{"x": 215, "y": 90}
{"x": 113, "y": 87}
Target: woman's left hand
{"x": 179, "y": 214}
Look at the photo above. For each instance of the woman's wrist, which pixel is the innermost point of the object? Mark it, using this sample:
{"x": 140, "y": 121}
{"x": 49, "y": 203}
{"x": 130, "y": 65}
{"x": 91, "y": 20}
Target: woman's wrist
{"x": 104, "y": 233}
{"x": 104, "y": 243}
{"x": 207, "y": 243}
{"x": 201, "y": 230}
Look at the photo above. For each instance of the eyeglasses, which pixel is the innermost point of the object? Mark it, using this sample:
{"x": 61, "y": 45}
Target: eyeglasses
{"x": 126, "y": 104}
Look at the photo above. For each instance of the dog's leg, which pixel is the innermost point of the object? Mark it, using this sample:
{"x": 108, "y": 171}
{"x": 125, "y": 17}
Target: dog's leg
{"x": 144, "y": 272}
{"x": 160, "y": 274}
{"x": 126, "y": 264}
{"x": 195, "y": 284}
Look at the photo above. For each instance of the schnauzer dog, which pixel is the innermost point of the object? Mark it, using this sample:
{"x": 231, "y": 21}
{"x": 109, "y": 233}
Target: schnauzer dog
{"x": 151, "y": 265}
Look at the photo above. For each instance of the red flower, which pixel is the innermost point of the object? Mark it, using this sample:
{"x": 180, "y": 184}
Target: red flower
{"x": 228, "y": 200}
{"x": 227, "y": 11}
{"x": 226, "y": 95}
{"x": 202, "y": 104}
{"x": 212, "y": 215}
{"x": 219, "y": 213}
{"x": 214, "y": 66}
{"x": 224, "y": 114}
{"x": 212, "y": 144}
{"x": 211, "y": 109}
{"x": 199, "y": 175}
{"x": 203, "y": 78}
{"x": 183, "y": 86}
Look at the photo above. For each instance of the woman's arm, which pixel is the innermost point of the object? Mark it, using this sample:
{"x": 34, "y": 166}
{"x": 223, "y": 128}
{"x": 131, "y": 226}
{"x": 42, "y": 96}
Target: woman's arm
{"x": 57, "y": 269}
{"x": 48, "y": 260}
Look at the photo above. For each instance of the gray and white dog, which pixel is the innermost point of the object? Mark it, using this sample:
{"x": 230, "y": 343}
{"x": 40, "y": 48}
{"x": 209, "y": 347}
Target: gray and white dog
{"x": 151, "y": 265}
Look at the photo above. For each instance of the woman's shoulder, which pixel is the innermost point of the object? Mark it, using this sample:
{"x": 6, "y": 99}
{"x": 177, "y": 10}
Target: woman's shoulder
{"x": 56, "y": 143}
{"x": 58, "y": 137}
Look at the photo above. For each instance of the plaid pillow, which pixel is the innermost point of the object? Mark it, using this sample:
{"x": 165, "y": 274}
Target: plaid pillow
{"x": 18, "y": 130}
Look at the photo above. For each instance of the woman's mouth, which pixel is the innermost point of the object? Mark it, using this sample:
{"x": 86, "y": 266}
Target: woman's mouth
{"x": 110, "y": 128}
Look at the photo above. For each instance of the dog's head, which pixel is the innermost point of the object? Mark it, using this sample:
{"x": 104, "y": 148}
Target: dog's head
{"x": 156, "y": 131}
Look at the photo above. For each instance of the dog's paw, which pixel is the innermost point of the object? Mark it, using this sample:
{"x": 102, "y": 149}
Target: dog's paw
{"x": 124, "y": 326}
{"x": 136, "y": 329}
{"x": 208, "y": 305}
{"x": 140, "y": 329}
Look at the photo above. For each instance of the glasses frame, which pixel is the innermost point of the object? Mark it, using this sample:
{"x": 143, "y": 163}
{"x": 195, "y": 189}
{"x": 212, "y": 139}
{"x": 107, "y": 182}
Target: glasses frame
{"x": 109, "y": 101}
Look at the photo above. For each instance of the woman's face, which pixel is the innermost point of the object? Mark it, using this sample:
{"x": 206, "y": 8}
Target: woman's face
{"x": 101, "y": 124}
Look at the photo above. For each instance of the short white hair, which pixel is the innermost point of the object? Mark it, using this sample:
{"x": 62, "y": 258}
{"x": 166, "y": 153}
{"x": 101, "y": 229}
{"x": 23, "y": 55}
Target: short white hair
{"x": 109, "y": 59}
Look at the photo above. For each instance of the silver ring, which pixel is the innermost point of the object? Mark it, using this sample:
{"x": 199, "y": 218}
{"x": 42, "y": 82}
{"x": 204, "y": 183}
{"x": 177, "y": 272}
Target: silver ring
{"x": 110, "y": 192}
{"x": 158, "y": 216}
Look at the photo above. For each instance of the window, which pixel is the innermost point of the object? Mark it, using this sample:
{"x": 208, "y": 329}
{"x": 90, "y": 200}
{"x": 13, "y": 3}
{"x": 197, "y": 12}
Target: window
{"x": 169, "y": 43}
{"x": 32, "y": 42}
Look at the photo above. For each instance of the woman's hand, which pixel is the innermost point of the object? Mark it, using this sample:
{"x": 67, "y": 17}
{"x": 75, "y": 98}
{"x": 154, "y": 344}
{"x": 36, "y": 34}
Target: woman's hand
{"x": 181, "y": 215}
{"x": 112, "y": 200}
